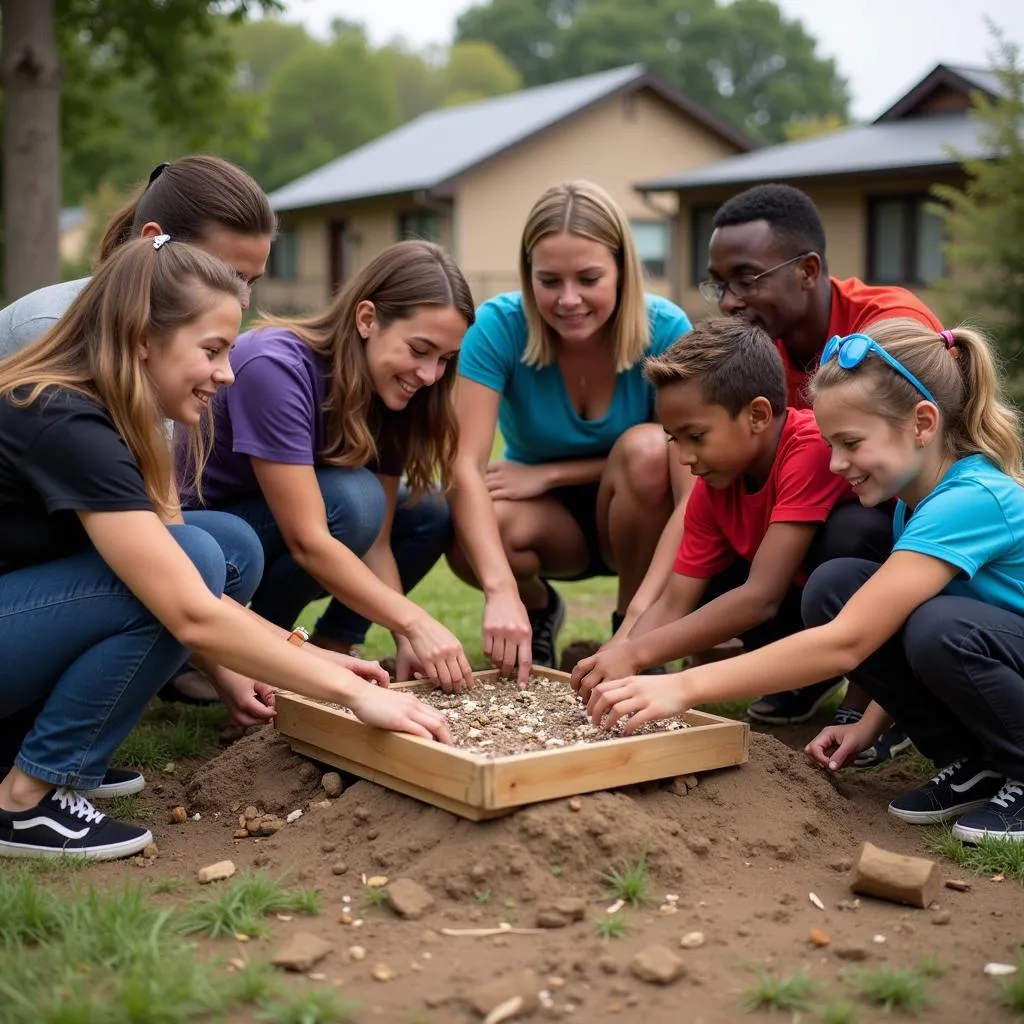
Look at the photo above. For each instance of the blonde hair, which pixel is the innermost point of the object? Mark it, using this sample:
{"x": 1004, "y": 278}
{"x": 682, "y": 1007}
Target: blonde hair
{"x": 398, "y": 281}
{"x": 138, "y": 294}
{"x": 584, "y": 209}
{"x": 964, "y": 380}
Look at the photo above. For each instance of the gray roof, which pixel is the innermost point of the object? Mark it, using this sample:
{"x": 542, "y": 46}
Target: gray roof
{"x": 436, "y": 147}
{"x": 980, "y": 78}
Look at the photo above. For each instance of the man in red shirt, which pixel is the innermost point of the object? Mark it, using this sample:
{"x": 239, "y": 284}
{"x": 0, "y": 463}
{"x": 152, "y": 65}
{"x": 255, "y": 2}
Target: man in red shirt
{"x": 767, "y": 264}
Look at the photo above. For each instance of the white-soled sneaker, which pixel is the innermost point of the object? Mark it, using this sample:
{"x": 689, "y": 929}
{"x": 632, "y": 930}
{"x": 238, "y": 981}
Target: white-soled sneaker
{"x": 65, "y": 824}
{"x": 1001, "y": 818}
{"x": 116, "y": 782}
{"x": 959, "y": 787}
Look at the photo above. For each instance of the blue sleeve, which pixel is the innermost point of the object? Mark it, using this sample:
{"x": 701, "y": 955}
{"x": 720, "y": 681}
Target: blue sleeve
{"x": 963, "y": 525}
{"x": 494, "y": 344}
{"x": 668, "y": 323}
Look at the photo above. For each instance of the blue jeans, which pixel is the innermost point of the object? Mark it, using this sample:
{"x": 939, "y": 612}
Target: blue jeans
{"x": 355, "y": 505}
{"x": 79, "y": 646}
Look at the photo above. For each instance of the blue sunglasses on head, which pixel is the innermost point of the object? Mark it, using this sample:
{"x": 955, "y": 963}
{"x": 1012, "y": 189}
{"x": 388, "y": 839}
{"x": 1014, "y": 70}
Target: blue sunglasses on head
{"x": 855, "y": 348}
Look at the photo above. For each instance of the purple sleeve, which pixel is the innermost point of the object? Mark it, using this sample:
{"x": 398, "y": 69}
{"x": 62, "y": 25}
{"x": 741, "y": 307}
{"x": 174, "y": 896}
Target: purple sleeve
{"x": 273, "y": 411}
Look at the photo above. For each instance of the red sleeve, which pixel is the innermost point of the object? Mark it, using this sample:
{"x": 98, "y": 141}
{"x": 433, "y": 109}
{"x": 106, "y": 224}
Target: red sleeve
{"x": 704, "y": 549}
{"x": 806, "y": 490}
{"x": 922, "y": 316}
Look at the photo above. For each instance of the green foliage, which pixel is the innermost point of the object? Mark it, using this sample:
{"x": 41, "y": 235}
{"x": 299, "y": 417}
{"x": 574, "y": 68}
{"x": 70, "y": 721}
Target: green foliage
{"x": 891, "y": 989}
{"x": 985, "y": 219}
{"x": 987, "y": 857}
{"x": 771, "y": 993}
{"x": 171, "y": 733}
{"x": 611, "y": 926}
{"x": 376, "y": 895}
{"x": 839, "y": 1013}
{"x": 630, "y": 883}
{"x": 1011, "y": 990}
{"x": 483, "y": 896}
{"x": 742, "y": 60}
{"x": 317, "y": 1007}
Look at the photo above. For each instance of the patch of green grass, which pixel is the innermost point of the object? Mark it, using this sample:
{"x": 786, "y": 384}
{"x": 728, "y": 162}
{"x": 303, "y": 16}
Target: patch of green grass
{"x": 128, "y": 808}
{"x": 631, "y": 884}
{"x": 611, "y": 926}
{"x": 483, "y": 896}
{"x": 319, "y": 1006}
{"x": 240, "y": 905}
{"x": 771, "y": 993}
{"x": 891, "y": 989}
{"x": 31, "y": 914}
{"x": 557, "y": 870}
{"x": 171, "y": 884}
{"x": 839, "y": 1013}
{"x": 254, "y": 985}
{"x": 1011, "y": 990}
{"x": 987, "y": 857}
{"x": 930, "y": 966}
{"x": 171, "y": 732}
{"x": 376, "y": 895}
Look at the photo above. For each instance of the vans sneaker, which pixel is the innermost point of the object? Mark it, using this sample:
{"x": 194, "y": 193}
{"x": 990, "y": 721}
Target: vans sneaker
{"x": 1001, "y": 818}
{"x": 791, "y": 707}
{"x": 116, "y": 782}
{"x": 65, "y": 824}
{"x": 959, "y": 787}
{"x": 546, "y": 624}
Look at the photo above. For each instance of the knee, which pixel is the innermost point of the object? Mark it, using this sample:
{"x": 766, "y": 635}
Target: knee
{"x": 639, "y": 460}
{"x": 935, "y": 637}
{"x": 428, "y": 515}
{"x": 830, "y": 586}
{"x": 355, "y": 505}
{"x": 205, "y": 554}
{"x": 242, "y": 549}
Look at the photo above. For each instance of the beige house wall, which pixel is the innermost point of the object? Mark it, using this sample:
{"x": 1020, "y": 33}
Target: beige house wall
{"x": 844, "y": 213}
{"x": 615, "y": 144}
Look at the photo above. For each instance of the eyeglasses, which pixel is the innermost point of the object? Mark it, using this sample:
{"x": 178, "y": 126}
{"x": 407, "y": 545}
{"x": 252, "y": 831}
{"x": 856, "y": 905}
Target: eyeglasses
{"x": 855, "y": 348}
{"x": 743, "y": 286}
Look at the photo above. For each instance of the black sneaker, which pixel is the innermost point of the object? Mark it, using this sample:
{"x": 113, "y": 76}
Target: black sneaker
{"x": 116, "y": 782}
{"x": 959, "y": 787}
{"x": 546, "y": 624}
{"x": 1001, "y": 818}
{"x": 791, "y": 707}
{"x": 65, "y": 824}
{"x": 890, "y": 744}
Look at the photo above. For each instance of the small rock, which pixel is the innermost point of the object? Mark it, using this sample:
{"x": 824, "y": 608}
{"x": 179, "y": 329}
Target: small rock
{"x": 252, "y": 812}
{"x": 607, "y": 964}
{"x": 408, "y": 898}
{"x": 842, "y": 864}
{"x": 382, "y": 972}
{"x": 559, "y": 913}
{"x": 854, "y": 952}
{"x": 691, "y": 781}
{"x": 524, "y": 984}
{"x": 372, "y": 834}
{"x": 240, "y": 833}
{"x": 179, "y": 815}
{"x": 376, "y": 881}
{"x": 307, "y": 771}
{"x": 743, "y": 931}
{"x": 293, "y": 816}
{"x": 816, "y": 937}
{"x": 478, "y": 872}
{"x": 216, "y": 872}
{"x": 692, "y": 940}
{"x": 151, "y": 852}
{"x": 575, "y": 804}
{"x": 849, "y": 904}
{"x": 878, "y": 940}
{"x": 331, "y": 783}
{"x": 345, "y": 918}
{"x": 657, "y": 965}
{"x": 942, "y": 917}
{"x": 301, "y": 952}
{"x": 361, "y": 814}
{"x": 958, "y": 885}
{"x": 327, "y": 847}
{"x": 356, "y": 953}
{"x": 699, "y": 845}
{"x": 678, "y": 786}
{"x": 339, "y": 867}
{"x": 270, "y": 826}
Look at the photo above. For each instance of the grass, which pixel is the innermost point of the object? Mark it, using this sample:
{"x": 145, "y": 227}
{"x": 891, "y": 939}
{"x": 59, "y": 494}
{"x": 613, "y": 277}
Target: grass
{"x": 171, "y": 732}
{"x": 320, "y": 1006}
{"x": 891, "y": 989}
{"x": 376, "y": 895}
{"x": 483, "y": 896}
{"x": 772, "y": 993}
{"x": 611, "y": 926}
{"x": 988, "y": 857}
{"x": 1011, "y": 990}
{"x": 631, "y": 884}
{"x": 839, "y": 1013}
{"x": 128, "y": 808}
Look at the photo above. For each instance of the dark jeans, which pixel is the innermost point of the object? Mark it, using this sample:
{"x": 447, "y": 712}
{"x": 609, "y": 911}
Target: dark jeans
{"x": 355, "y": 506}
{"x": 953, "y": 676}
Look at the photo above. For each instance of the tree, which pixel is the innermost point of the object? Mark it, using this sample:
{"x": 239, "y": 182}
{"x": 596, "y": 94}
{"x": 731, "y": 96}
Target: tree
{"x": 985, "y": 219}
{"x": 742, "y": 60}
{"x": 100, "y": 42}
{"x": 475, "y": 71}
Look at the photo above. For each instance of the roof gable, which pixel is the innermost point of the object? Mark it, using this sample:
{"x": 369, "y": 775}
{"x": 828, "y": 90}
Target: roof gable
{"x": 437, "y": 146}
{"x": 943, "y": 82}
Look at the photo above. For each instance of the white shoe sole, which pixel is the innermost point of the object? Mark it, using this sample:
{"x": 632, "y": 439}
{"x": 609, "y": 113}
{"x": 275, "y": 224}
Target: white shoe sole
{"x": 107, "y": 791}
{"x": 112, "y": 851}
{"x": 966, "y": 834}
{"x": 936, "y": 817}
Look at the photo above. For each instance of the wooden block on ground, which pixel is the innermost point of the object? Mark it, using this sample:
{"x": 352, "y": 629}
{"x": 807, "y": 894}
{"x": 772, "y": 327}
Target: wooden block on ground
{"x": 915, "y": 881}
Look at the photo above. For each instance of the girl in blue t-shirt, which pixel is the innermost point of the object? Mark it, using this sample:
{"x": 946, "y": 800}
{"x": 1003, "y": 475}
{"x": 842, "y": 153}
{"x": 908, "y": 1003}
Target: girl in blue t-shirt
{"x": 936, "y": 633}
{"x": 585, "y": 486}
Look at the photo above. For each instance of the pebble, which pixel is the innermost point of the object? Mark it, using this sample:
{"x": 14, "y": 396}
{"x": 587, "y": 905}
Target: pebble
{"x": 372, "y": 834}
{"x": 607, "y": 964}
{"x": 842, "y": 864}
{"x": 657, "y": 965}
{"x": 382, "y": 972}
{"x": 327, "y": 847}
{"x": 818, "y": 938}
{"x": 575, "y": 804}
{"x": 743, "y": 931}
{"x": 293, "y": 816}
{"x": 331, "y": 784}
{"x": 878, "y": 939}
{"x": 853, "y": 952}
{"x": 251, "y": 812}
{"x": 240, "y": 833}
{"x": 339, "y": 868}
{"x": 179, "y": 815}
{"x": 151, "y": 852}
{"x": 345, "y": 918}
{"x": 692, "y": 940}
{"x": 301, "y": 952}
{"x": 356, "y": 953}
{"x": 942, "y": 917}
{"x": 215, "y": 872}
{"x": 408, "y": 899}
{"x": 958, "y": 884}
{"x": 376, "y": 881}
{"x": 699, "y": 845}
{"x": 559, "y": 913}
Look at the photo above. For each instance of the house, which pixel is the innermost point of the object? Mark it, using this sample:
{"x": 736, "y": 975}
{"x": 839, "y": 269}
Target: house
{"x": 871, "y": 183}
{"x": 467, "y": 176}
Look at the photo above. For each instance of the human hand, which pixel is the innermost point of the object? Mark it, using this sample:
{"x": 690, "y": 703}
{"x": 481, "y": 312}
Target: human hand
{"x": 837, "y": 744}
{"x": 437, "y": 655}
{"x": 644, "y": 698}
{"x": 371, "y": 671}
{"x": 515, "y": 481}
{"x": 612, "y": 661}
{"x": 398, "y": 712}
{"x": 249, "y": 702}
{"x": 507, "y": 635}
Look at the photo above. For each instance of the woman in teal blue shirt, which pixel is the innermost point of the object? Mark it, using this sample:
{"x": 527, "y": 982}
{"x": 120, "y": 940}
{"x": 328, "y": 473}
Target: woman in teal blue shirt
{"x": 585, "y": 486}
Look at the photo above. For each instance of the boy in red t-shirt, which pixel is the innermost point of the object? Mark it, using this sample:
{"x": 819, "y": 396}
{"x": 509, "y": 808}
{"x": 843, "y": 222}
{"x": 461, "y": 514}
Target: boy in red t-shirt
{"x": 763, "y": 491}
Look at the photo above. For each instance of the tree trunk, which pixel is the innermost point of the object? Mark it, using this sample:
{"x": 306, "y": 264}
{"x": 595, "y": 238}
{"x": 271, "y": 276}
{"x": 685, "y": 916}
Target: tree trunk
{"x": 30, "y": 72}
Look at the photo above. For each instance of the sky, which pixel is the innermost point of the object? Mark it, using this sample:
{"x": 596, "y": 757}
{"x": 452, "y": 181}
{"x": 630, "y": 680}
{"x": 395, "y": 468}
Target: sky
{"x": 882, "y": 47}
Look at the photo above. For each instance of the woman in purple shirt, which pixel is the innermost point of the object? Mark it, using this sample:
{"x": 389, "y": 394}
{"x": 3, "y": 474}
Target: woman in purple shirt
{"x": 325, "y": 417}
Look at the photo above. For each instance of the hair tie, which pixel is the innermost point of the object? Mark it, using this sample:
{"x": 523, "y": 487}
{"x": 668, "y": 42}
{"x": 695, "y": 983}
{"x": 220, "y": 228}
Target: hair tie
{"x": 160, "y": 240}
{"x": 157, "y": 171}
{"x": 947, "y": 337}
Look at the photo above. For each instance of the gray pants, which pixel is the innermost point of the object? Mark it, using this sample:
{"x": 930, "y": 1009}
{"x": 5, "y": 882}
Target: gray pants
{"x": 953, "y": 676}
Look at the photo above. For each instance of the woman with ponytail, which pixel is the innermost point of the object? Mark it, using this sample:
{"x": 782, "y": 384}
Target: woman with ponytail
{"x": 936, "y": 633}
{"x": 104, "y": 591}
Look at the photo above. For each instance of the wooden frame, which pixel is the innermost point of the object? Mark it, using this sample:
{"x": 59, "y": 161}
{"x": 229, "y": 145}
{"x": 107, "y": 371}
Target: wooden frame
{"x": 479, "y": 787}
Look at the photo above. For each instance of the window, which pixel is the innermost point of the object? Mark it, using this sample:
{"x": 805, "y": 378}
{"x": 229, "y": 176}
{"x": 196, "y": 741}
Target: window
{"x": 651, "y": 238}
{"x": 283, "y": 262}
{"x": 904, "y": 241}
{"x": 701, "y": 227}
{"x": 419, "y": 224}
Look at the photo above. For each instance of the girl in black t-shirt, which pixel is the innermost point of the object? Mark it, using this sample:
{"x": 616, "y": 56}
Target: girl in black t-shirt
{"x": 104, "y": 592}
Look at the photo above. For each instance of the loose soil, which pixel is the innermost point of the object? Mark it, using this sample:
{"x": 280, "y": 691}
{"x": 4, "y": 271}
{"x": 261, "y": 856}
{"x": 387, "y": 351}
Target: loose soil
{"x": 742, "y": 852}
